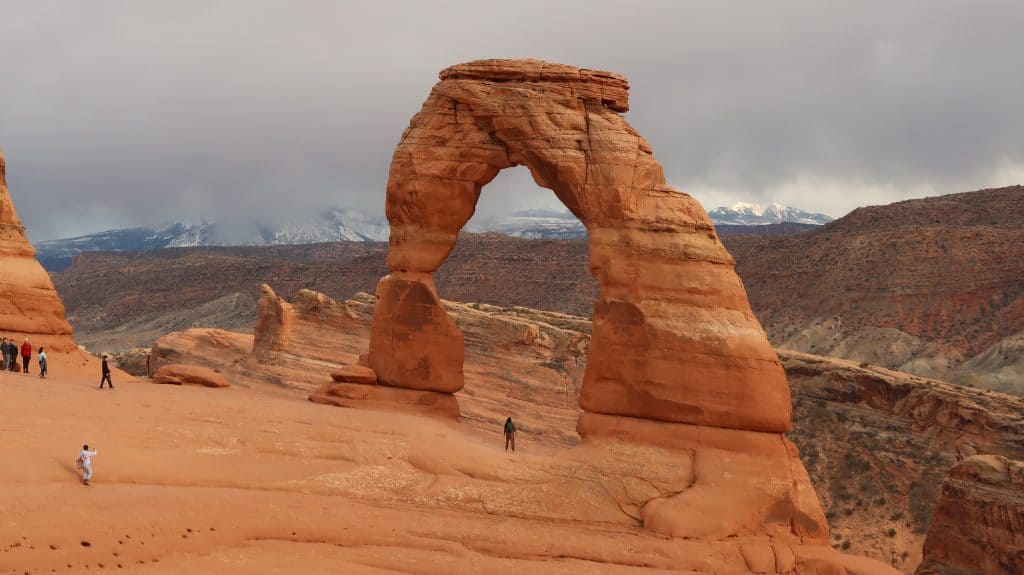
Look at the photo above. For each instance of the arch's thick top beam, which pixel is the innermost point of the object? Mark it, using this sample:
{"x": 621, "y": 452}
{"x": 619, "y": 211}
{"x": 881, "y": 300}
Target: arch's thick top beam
{"x": 674, "y": 336}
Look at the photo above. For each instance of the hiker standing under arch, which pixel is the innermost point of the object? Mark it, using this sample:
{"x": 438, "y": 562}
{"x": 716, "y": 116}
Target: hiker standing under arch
{"x": 510, "y": 435}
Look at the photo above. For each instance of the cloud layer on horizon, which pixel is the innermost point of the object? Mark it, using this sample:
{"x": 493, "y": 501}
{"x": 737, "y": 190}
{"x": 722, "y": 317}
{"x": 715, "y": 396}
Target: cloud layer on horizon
{"x": 120, "y": 112}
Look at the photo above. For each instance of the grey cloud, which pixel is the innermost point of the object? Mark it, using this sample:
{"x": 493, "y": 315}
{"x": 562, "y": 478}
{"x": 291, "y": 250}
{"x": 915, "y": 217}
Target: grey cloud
{"x": 113, "y": 113}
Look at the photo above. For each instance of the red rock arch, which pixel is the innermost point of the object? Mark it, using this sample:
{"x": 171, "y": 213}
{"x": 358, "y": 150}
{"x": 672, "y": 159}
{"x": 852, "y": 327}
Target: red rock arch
{"x": 674, "y": 338}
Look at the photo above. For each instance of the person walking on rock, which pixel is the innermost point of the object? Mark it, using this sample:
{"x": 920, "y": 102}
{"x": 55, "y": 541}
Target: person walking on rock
{"x": 26, "y": 355}
{"x": 510, "y": 435}
{"x": 5, "y": 350}
{"x": 106, "y": 374}
{"x": 42, "y": 362}
{"x": 85, "y": 463}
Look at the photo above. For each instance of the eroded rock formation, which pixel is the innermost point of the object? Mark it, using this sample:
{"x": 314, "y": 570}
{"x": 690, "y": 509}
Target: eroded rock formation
{"x": 978, "y": 526}
{"x": 181, "y": 374}
{"x": 29, "y": 306}
{"x": 674, "y": 337}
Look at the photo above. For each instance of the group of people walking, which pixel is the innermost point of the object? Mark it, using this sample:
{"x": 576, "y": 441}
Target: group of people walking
{"x": 11, "y": 351}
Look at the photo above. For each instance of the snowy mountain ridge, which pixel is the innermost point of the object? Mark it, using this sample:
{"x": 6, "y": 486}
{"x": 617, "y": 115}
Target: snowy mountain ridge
{"x": 337, "y": 225}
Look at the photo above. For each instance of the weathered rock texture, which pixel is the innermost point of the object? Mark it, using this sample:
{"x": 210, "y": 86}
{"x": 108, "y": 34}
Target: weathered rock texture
{"x": 742, "y": 497}
{"x": 29, "y": 306}
{"x": 674, "y": 337}
{"x": 180, "y": 374}
{"x": 978, "y": 526}
{"x": 878, "y": 444}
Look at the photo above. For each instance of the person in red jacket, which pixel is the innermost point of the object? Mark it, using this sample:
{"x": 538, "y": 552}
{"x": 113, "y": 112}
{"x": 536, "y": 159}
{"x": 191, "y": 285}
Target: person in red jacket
{"x": 26, "y": 355}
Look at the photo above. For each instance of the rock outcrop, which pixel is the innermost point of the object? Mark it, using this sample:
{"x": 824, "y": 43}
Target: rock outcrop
{"x": 181, "y": 374}
{"x": 674, "y": 337}
{"x": 29, "y": 306}
{"x": 878, "y": 445}
{"x": 978, "y": 526}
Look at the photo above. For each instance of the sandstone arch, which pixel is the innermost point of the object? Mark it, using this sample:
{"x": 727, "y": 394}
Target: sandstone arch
{"x": 674, "y": 338}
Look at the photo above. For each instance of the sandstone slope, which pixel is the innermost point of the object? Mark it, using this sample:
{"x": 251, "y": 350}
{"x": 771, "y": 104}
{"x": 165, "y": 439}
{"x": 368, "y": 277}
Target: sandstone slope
{"x": 876, "y": 443}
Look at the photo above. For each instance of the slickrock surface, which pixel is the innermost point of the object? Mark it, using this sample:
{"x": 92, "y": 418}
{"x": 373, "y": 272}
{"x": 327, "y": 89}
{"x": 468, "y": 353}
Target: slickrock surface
{"x": 978, "y": 526}
{"x": 531, "y": 362}
{"x": 674, "y": 337}
{"x": 528, "y": 365}
{"x": 179, "y": 374}
{"x": 877, "y": 444}
{"x": 190, "y": 480}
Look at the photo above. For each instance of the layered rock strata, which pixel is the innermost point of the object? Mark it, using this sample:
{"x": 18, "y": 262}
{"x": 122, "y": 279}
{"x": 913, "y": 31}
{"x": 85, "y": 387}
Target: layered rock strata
{"x": 29, "y": 306}
{"x": 674, "y": 337}
{"x": 978, "y": 526}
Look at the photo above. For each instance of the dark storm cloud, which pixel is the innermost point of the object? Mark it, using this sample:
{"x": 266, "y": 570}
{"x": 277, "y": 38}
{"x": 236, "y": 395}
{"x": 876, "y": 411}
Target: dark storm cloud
{"x": 119, "y": 112}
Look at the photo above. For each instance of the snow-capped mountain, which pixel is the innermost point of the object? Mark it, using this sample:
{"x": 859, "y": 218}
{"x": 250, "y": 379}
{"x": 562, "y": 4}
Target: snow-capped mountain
{"x": 747, "y": 214}
{"x": 331, "y": 225}
{"x": 334, "y": 225}
{"x": 535, "y": 224}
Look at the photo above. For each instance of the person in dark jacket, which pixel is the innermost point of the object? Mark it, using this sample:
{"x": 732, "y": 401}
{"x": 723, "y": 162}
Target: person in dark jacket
{"x": 106, "y": 374}
{"x": 510, "y": 435}
{"x": 5, "y": 350}
{"x": 26, "y": 355}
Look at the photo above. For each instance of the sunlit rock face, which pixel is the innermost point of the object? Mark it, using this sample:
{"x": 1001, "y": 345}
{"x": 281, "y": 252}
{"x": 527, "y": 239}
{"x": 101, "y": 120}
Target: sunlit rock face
{"x": 674, "y": 337}
{"x": 29, "y": 306}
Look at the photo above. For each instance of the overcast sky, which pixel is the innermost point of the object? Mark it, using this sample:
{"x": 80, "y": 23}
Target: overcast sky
{"x": 116, "y": 113}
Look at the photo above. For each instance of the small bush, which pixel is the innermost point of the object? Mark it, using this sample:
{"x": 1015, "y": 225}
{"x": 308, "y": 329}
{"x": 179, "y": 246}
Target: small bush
{"x": 892, "y": 533}
{"x": 846, "y": 544}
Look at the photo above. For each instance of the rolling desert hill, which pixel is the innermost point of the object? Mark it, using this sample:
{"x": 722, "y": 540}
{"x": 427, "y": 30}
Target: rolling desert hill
{"x": 933, "y": 286}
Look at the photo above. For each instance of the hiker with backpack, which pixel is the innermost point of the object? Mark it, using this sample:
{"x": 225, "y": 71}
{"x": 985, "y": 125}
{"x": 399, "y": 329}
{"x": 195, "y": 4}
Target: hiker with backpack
{"x": 510, "y": 435}
{"x": 84, "y": 462}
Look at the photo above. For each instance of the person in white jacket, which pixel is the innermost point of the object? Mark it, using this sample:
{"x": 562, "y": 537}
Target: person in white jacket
{"x": 85, "y": 463}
